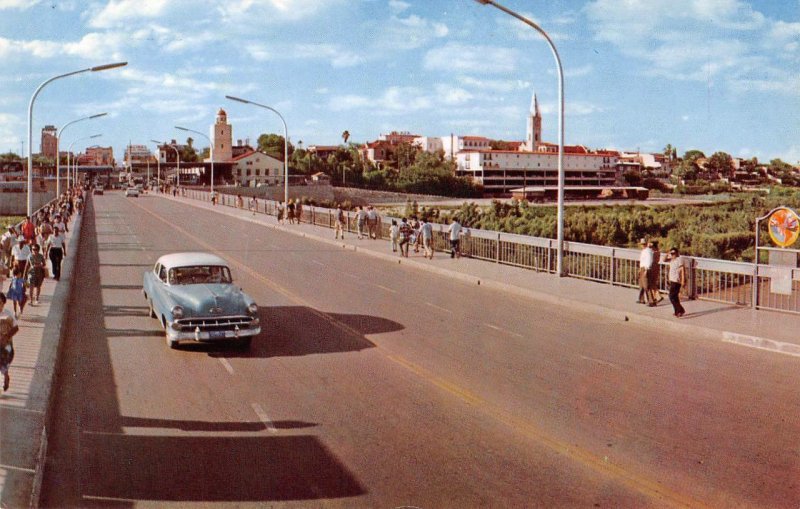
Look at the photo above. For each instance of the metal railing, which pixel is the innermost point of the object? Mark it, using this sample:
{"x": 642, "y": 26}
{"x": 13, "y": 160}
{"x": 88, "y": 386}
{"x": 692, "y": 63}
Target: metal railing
{"x": 707, "y": 279}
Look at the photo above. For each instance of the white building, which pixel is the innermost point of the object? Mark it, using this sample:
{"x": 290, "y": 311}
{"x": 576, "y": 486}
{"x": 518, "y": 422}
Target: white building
{"x": 430, "y": 144}
{"x": 500, "y": 171}
{"x": 254, "y": 168}
{"x": 452, "y": 145}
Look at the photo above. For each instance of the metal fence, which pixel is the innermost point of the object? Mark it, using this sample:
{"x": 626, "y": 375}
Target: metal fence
{"x": 707, "y": 279}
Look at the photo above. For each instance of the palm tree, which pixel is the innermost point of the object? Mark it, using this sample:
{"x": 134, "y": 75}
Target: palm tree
{"x": 346, "y": 136}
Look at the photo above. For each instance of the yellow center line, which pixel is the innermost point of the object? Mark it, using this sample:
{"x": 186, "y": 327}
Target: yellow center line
{"x": 643, "y": 485}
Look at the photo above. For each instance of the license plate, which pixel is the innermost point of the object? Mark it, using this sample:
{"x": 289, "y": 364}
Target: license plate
{"x": 216, "y": 334}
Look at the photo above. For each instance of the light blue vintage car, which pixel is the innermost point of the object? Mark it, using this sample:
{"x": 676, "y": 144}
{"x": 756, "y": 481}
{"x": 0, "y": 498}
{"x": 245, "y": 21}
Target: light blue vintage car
{"x": 194, "y": 298}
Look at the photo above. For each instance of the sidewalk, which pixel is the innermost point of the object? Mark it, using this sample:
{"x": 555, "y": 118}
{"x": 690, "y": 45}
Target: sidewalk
{"x": 744, "y": 326}
{"x": 25, "y": 407}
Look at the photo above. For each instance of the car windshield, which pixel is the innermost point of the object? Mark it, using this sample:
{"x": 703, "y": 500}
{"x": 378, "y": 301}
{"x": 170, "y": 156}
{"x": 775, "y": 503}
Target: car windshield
{"x": 199, "y": 274}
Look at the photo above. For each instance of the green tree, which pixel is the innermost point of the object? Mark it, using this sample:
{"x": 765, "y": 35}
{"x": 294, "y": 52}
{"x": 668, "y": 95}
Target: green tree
{"x": 720, "y": 163}
{"x": 345, "y": 136}
{"x": 272, "y": 145}
{"x": 188, "y": 152}
{"x": 10, "y": 156}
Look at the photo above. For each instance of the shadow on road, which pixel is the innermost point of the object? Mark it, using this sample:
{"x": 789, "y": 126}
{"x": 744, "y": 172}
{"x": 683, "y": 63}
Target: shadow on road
{"x": 94, "y": 461}
{"x": 211, "y": 469}
{"x": 291, "y": 331}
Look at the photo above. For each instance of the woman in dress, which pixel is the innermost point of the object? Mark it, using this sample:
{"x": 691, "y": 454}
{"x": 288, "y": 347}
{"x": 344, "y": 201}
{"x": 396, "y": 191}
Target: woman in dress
{"x": 36, "y": 273}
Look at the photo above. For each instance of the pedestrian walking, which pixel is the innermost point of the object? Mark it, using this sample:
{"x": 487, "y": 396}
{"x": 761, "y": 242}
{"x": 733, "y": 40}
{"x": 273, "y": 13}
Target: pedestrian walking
{"x": 8, "y": 328}
{"x": 57, "y": 251}
{"x": 239, "y": 201}
{"x": 279, "y": 212}
{"x": 654, "y": 275}
{"x": 298, "y": 211}
{"x": 339, "y": 223}
{"x": 36, "y": 271}
{"x": 361, "y": 219}
{"x": 21, "y": 253}
{"x": 7, "y": 241}
{"x": 253, "y": 205}
{"x": 426, "y": 232}
{"x": 290, "y": 212}
{"x": 645, "y": 262}
{"x": 394, "y": 235}
{"x": 372, "y": 222}
{"x": 28, "y": 230}
{"x": 16, "y": 291}
{"x": 454, "y": 230}
{"x": 405, "y": 237}
{"x": 677, "y": 280}
{"x": 416, "y": 239}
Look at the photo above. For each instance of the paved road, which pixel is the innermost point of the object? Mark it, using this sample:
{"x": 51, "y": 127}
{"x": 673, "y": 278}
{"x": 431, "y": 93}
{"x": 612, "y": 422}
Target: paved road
{"x": 377, "y": 386}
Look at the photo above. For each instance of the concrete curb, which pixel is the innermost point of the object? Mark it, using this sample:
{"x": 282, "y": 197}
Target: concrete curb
{"x": 685, "y": 329}
{"x": 50, "y": 352}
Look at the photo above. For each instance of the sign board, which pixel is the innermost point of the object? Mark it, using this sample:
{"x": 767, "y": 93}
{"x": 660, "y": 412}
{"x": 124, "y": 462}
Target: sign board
{"x": 784, "y": 227}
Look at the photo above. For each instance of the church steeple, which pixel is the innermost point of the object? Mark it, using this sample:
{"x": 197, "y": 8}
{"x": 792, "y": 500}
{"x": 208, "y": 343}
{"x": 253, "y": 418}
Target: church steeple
{"x": 534, "y": 125}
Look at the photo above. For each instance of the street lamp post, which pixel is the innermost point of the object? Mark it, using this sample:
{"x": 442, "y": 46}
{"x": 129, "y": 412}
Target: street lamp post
{"x": 560, "y": 231}
{"x": 285, "y": 143}
{"x": 30, "y": 121}
{"x": 58, "y": 149}
{"x": 211, "y": 152}
{"x": 69, "y": 170}
{"x": 177, "y": 158}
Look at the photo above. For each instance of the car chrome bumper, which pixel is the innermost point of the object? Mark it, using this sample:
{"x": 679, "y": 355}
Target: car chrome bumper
{"x": 209, "y": 336}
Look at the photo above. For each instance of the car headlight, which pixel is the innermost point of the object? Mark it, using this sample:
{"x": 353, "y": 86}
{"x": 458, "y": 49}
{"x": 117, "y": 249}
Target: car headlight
{"x": 177, "y": 312}
{"x": 252, "y": 308}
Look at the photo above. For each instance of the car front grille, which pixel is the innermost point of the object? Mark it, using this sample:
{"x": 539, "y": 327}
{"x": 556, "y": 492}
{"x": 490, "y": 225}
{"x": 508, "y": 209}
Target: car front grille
{"x": 215, "y": 323}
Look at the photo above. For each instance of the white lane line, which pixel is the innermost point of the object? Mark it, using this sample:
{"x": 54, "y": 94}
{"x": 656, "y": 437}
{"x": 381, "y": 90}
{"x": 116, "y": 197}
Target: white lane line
{"x": 227, "y": 364}
{"x": 440, "y": 308}
{"x": 351, "y": 275}
{"x": 263, "y": 417}
{"x": 315, "y": 262}
{"x": 602, "y": 362}
{"x": 385, "y": 288}
{"x": 500, "y": 329}
{"x": 17, "y": 469}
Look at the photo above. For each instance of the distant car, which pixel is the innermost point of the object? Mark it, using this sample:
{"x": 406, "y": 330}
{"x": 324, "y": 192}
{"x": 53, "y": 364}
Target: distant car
{"x": 132, "y": 191}
{"x": 193, "y": 297}
{"x": 98, "y": 190}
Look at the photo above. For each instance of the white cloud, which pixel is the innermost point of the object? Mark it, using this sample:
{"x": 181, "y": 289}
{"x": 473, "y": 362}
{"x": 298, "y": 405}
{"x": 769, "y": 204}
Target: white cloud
{"x": 122, "y": 12}
{"x": 398, "y": 6}
{"x": 17, "y": 4}
{"x": 450, "y": 95}
{"x": 335, "y": 55}
{"x": 393, "y": 100}
{"x": 405, "y": 33}
{"x": 463, "y": 58}
{"x": 572, "y": 108}
{"x": 494, "y": 85}
{"x": 525, "y": 32}
{"x": 261, "y": 11}
{"x": 712, "y": 40}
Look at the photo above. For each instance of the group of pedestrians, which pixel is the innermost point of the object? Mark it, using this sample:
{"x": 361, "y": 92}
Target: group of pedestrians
{"x": 289, "y": 212}
{"x": 368, "y": 223}
{"x": 418, "y": 233}
{"x": 24, "y": 251}
{"x": 23, "y": 255}
{"x": 650, "y": 276}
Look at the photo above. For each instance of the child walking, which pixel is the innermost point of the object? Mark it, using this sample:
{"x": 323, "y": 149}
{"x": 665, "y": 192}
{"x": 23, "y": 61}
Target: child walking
{"x": 16, "y": 291}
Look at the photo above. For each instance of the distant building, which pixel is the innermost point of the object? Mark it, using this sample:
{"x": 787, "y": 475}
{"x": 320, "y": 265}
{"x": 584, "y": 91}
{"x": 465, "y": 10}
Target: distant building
{"x": 500, "y": 171}
{"x": 254, "y": 168}
{"x": 238, "y": 149}
{"x": 323, "y": 151}
{"x": 49, "y": 145}
{"x": 136, "y": 153}
{"x": 100, "y": 156}
{"x": 222, "y": 137}
{"x": 167, "y": 154}
{"x": 381, "y": 150}
{"x": 430, "y": 144}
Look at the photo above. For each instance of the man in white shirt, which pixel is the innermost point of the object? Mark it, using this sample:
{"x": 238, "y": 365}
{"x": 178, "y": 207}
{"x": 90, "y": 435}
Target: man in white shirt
{"x": 7, "y": 242}
{"x": 645, "y": 262}
{"x": 21, "y": 252}
{"x": 455, "y": 230}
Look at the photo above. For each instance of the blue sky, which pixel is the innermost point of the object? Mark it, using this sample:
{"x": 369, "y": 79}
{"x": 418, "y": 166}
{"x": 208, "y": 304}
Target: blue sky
{"x": 698, "y": 74}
